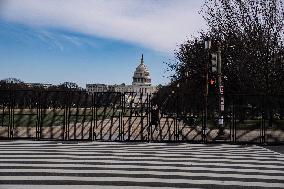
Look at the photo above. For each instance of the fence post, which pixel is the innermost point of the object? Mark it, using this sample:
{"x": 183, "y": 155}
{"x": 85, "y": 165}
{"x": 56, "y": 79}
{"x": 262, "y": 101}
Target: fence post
{"x": 262, "y": 119}
{"x": 38, "y": 115}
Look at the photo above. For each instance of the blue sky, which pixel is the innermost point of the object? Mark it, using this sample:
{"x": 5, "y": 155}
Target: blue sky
{"x": 92, "y": 41}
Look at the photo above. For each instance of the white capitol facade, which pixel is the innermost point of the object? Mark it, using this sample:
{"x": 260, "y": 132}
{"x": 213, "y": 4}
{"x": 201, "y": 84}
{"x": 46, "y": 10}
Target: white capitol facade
{"x": 141, "y": 83}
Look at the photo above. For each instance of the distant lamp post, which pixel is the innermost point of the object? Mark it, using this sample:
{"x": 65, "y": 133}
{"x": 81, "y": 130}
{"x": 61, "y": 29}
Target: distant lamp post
{"x": 186, "y": 74}
{"x": 177, "y": 100}
{"x": 207, "y": 43}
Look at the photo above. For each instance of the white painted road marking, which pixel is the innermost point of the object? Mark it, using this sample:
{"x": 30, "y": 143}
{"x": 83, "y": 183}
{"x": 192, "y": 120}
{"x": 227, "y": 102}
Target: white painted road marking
{"x": 42, "y": 164}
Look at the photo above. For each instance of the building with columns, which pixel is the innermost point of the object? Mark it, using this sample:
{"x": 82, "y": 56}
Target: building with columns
{"x": 141, "y": 84}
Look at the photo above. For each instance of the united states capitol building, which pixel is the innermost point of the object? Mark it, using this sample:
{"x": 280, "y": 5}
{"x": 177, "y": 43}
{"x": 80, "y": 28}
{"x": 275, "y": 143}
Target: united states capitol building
{"x": 141, "y": 83}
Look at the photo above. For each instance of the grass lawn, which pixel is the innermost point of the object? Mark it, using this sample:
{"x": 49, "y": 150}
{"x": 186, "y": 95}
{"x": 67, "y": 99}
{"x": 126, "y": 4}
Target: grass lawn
{"x": 56, "y": 117}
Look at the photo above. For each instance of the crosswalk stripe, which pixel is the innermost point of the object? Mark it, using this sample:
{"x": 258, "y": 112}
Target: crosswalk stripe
{"x": 130, "y": 145}
{"x": 81, "y": 187}
{"x": 141, "y": 149}
{"x": 180, "y": 156}
{"x": 223, "y": 153}
{"x": 145, "y": 180}
{"x": 176, "y": 173}
{"x": 28, "y": 164}
{"x": 134, "y": 146}
{"x": 188, "y": 163}
{"x": 154, "y": 150}
{"x": 137, "y": 146}
{"x": 153, "y": 167}
{"x": 164, "y": 158}
{"x": 123, "y": 144}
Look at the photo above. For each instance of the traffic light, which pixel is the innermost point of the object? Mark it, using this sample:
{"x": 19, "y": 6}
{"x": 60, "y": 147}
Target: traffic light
{"x": 212, "y": 81}
{"x": 214, "y": 59}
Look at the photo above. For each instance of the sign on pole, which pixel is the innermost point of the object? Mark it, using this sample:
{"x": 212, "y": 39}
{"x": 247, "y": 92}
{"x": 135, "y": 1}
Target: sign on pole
{"x": 222, "y": 103}
{"x": 221, "y": 89}
{"x": 222, "y": 107}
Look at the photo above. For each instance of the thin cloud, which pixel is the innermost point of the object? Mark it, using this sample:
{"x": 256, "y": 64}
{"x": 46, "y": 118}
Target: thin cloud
{"x": 159, "y": 25}
{"x": 51, "y": 40}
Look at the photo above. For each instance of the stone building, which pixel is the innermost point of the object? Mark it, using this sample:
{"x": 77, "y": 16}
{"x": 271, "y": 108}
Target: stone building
{"x": 92, "y": 88}
{"x": 141, "y": 75}
{"x": 141, "y": 84}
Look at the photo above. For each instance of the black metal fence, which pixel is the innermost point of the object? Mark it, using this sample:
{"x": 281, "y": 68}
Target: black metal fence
{"x": 110, "y": 116}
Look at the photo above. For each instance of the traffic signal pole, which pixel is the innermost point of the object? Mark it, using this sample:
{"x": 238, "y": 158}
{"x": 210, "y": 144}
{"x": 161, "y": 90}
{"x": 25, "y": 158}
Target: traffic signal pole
{"x": 219, "y": 69}
{"x": 207, "y": 51}
{"x": 221, "y": 93}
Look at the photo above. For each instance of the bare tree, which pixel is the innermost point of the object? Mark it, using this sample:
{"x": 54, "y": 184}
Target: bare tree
{"x": 250, "y": 33}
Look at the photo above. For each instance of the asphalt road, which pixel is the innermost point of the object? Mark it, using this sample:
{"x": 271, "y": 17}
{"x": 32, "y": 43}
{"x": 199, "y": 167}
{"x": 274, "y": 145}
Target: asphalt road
{"x": 276, "y": 148}
{"x": 43, "y": 164}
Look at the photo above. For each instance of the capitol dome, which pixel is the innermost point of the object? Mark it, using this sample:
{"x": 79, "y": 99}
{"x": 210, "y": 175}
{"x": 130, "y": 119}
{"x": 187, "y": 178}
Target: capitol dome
{"x": 141, "y": 75}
